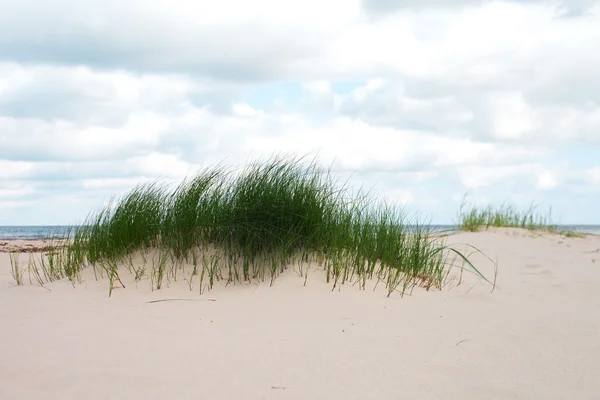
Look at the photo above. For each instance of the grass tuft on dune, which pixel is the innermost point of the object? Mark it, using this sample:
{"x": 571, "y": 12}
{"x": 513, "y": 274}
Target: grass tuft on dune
{"x": 473, "y": 219}
{"x": 240, "y": 226}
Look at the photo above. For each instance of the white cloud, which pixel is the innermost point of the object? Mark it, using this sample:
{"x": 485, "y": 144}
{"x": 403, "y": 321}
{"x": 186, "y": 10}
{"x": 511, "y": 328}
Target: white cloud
{"x": 219, "y": 39}
{"x": 400, "y": 197}
{"x": 15, "y": 169}
{"x": 113, "y": 183}
{"x": 13, "y": 190}
{"x": 479, "y": 177}
{"x": 10, "y": 205}
{"x": 592, "y": 175}
{"x": 159, "y": 165}
{"x": 244, "y": 110}
{"x": 426, "y": 100}
{"x": 321, "y": 87}
{"x": 547, "y": 181}
{"x": 70, "y": 141}
{"x": 511, "y": 116}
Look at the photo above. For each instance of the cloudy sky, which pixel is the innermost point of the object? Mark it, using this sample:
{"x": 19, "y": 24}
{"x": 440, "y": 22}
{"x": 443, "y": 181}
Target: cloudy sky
{"x": 422, "y": 100}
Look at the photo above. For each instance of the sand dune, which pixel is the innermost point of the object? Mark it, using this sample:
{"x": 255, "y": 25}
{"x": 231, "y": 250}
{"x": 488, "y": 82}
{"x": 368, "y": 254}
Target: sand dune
{"x": 535, "y": 337}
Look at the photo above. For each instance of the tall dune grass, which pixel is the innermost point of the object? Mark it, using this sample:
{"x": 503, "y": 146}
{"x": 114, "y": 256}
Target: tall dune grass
{"x": 252, "y": 225}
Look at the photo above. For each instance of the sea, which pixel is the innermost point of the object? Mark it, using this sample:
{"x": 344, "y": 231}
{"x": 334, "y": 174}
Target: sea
{"x": 46, "y": 232}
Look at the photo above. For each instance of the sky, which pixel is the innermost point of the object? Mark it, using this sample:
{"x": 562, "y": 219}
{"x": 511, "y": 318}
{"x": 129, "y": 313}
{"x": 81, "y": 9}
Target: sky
{"x": 420, "y": 101}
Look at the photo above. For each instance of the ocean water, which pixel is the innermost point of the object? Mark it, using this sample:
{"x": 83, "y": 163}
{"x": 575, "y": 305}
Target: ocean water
{"x": 33, "y": 232}
{"x": 43, "y": 232}
{"x": 593, "y": 229}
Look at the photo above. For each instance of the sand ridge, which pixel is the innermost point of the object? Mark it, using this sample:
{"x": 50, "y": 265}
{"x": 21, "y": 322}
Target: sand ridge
{"x": 29, "y": 245}
{"x": 534, "y": 337}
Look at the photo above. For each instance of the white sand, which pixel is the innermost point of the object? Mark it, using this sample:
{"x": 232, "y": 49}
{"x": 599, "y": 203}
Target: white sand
{"x": 536, "y": 337}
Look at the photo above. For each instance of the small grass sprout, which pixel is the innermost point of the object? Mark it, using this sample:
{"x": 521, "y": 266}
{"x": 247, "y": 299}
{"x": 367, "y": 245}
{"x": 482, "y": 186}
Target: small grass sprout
{"x": 15, "y": 270}
{"x": 572, "y": 234}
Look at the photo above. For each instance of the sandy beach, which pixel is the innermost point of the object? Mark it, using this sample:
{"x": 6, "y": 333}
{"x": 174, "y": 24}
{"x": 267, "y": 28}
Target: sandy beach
{"x": 534, "y": 337}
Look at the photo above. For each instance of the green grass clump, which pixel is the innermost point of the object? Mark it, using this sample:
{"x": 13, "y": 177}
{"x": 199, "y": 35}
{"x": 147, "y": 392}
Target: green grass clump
{"x": 572, "y": 234}
{"x": 58, "y": 258}
{"x": 473, "y": 219}
{"x": 240, "y": 226}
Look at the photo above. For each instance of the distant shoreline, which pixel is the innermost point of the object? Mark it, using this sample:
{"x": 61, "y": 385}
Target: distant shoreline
{"x": 36, "y": 232}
